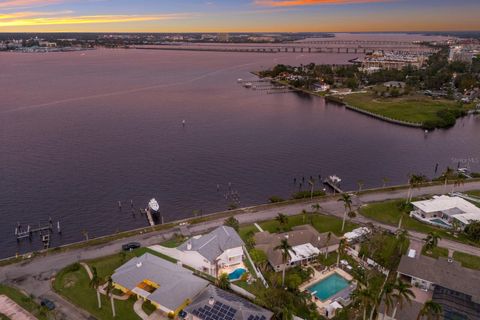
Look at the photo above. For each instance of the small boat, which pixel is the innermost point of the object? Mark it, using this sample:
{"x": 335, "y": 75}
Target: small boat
{"x": 248, "y": 85}
{"x": 239, "y": 80}
{"x": 153, "y": 206}
{"x": 334, "y": 179}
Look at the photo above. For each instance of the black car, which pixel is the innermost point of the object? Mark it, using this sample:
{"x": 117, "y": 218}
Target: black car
{"x": 130, "y": 246}
{"x": 47, "y": 304}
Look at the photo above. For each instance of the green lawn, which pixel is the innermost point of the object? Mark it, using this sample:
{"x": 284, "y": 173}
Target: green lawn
{"x": 173, "y": 243}
{"x": 475, "y": 193}
{"x": 467, "y": 260}
{"x": 415, "y": 108}
{"x": 25, "y": 302}
{"x": 389, "y": 212}
{"x": 74, "y": 285}
{"x": 436, "y": 252}
{"x": 322, "y": 223}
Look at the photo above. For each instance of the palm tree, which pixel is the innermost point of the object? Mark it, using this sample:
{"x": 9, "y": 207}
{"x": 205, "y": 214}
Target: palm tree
{"x": 282, "y": 219}
{"x": 431, "y": 310}
{"x": 459, "y": 181}
{"x": 446, "y": 175}
{"x": 223, "y": 282}
{"x": 95, "y": 283}
{"x": 285, "y": 248}
{"x": 366, "y": 298}
{"x": 403, "y": 293}
{"x": 360, "y": 184}
{"x": 109, "y": 292}
{"x": 415, "y": 180}
{"x": 347, "y": 203}
{"x": 329, "y": 236}
{"x": 431, "y": 241}
{"x": 388, "y": 298}
{"x": 342, "y": 246}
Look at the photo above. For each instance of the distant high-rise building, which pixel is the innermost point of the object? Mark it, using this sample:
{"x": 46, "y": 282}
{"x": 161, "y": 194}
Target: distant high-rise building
{"x": 223, "y": 37}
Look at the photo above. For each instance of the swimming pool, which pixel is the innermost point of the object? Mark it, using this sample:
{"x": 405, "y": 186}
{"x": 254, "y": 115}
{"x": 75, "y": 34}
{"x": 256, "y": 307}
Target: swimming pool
{"x": 329, "y": 286}
{"x": 440, "y": 222}
{"x": 237, "y": 274}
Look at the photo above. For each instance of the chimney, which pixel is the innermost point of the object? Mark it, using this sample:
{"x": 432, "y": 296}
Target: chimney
{"x": 211, "y": 301}
{"x": 139, "y": 264}
{"x": 189, "y": 245}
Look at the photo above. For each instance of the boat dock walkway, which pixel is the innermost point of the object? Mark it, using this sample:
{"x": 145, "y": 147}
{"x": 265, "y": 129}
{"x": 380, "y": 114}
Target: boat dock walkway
{"x": 44, "y": 230}
{"x": 149, "y": 217}
{"x": 332, "y": 185}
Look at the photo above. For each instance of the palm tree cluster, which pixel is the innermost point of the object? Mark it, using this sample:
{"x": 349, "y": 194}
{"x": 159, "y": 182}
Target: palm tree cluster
{"x": 415, "y": 181}
{"x": 394, "y": 295}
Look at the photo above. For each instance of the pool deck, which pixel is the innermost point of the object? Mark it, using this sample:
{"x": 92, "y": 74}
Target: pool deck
{"x": 319, "y": 276}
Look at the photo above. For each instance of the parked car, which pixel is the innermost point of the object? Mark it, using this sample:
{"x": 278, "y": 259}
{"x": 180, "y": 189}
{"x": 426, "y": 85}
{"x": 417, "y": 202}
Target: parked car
{"x": 47, "y": 304}
{"x": 131, "y": 246}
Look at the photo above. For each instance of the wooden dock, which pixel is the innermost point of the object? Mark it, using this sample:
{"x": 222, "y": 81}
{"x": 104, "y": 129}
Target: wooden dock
{"x": 149, "y": 217}
{"x": 45, "y": 232}
{"x": 332, "y": 185}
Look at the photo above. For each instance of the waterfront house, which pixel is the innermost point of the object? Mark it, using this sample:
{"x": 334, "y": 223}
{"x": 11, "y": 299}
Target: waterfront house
{"x": 307, "y": 243}
{"x": 168, "y": 286}
{"x": 445, "y": 282}
{"x": 213, "y": 303}
{"x": 220, "y": 251}
{"x": 445, "y": 211}
{"x": 320, "y": 87}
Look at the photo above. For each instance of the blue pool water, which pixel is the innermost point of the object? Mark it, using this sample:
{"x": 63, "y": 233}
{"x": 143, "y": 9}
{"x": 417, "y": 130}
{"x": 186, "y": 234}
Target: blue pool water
{"x": 329, "y": 286}
{"x": 237, "y": 274}
{"x": 440, "y": 222}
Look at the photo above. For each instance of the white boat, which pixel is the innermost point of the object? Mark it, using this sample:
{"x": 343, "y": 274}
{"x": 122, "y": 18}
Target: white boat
{"x": 239, "y": 80}
{"x": 153, "y": 205}
{"x": 334, "y": 179}
{"x": 248, "y": 85}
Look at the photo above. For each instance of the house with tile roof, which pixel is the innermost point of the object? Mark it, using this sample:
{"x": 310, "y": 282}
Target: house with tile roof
{"x": 216, "y": 252}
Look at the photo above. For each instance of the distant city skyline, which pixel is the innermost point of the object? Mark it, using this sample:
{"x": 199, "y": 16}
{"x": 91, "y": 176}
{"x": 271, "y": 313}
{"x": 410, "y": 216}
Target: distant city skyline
{"x": 238, "y": 15}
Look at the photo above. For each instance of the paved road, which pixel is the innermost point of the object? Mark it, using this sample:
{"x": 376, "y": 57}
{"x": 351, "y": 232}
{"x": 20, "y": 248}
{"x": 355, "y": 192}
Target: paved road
{"x": 34, "y": 276}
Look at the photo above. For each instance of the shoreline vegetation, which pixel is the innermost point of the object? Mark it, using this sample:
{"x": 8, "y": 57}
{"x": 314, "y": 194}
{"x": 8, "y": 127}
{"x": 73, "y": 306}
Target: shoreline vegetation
{"x": 431, "y": 97}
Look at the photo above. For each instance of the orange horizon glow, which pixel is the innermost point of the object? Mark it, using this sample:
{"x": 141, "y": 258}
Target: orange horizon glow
{"x": 239, "y": 16}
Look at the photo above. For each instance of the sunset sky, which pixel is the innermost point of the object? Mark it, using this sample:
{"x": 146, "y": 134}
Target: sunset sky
{"x": 238, "y": 15}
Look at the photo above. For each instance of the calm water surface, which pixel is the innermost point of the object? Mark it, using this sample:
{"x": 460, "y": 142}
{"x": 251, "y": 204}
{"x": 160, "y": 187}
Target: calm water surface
{"x": 81, "y": 131}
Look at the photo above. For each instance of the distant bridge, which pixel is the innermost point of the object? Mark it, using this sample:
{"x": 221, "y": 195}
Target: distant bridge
{"x": 287, "y": 49}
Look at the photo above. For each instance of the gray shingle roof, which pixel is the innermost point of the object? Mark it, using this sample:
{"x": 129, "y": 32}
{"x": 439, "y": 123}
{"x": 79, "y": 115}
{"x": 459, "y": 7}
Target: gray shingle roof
{"x": 214, "y": 243}
{"x": 450, "y": 275}
{"x": 176, "y": 283}
{"x": 227, "y": 303}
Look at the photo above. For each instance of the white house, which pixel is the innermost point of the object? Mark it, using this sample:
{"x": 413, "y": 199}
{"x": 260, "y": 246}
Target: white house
{"x": 216, "y": 252}
{"x": 446, "y": 211}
